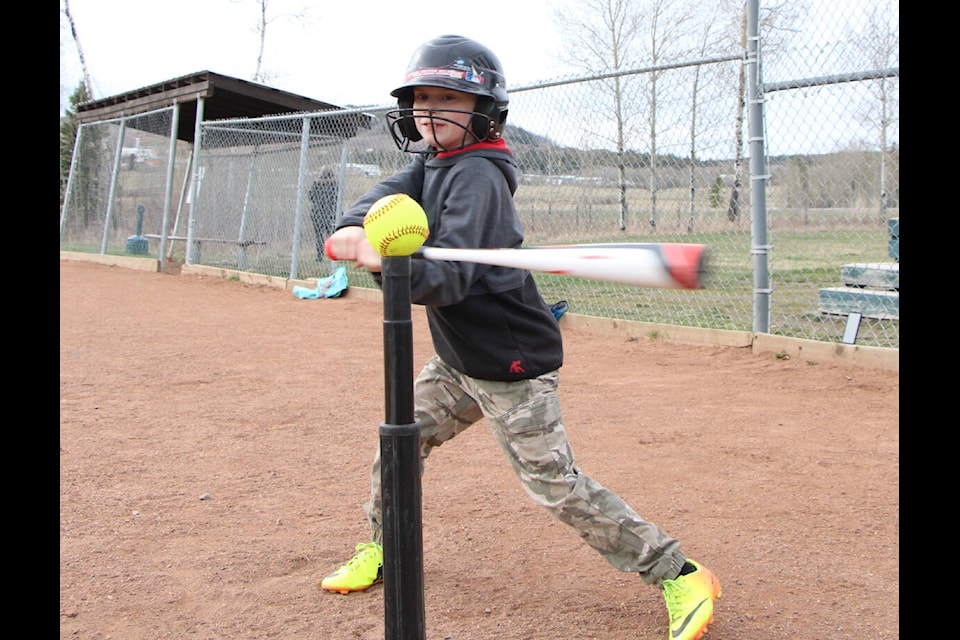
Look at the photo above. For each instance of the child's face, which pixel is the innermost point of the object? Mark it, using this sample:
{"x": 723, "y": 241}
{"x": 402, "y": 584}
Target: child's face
{"x": 443, "y": 116}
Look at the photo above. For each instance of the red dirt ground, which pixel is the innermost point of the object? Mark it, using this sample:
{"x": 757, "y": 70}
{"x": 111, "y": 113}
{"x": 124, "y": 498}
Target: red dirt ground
{"x": 215, "y": 439}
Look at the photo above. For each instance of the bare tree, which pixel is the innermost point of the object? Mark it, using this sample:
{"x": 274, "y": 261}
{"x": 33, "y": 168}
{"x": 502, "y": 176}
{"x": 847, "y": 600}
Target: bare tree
{"x": 87, "y": 83}
{"x": 713, "y": 41}
{"x": 733, "y": 205}
{"x": 614, "y": 36}
{"x": 664, "y": 20}
{"x": 777, "y": 22}
{"x": 262, "y": 31}
{"x": 259, "y": 75}
{"x": 601, "y": 35}
{"x": 878, "y": 42}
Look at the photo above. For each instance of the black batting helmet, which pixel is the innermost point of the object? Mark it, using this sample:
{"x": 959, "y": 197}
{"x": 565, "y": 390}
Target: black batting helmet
{"x": 459, "y": 63}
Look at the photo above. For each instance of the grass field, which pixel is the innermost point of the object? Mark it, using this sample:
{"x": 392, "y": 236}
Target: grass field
{"x": 805, "y": 252}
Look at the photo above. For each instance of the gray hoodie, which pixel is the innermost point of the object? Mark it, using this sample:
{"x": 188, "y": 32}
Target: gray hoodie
{"x": 486, "y": 321}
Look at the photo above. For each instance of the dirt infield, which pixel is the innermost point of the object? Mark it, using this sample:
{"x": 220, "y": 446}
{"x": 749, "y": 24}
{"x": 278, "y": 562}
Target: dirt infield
{"x": 215, "y": 439}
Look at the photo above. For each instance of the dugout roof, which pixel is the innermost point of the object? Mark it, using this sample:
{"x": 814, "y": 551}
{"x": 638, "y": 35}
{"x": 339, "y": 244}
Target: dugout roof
{"x": 224, "y": 98}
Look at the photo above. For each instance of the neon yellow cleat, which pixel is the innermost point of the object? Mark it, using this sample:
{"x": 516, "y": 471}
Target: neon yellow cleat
{"x": 690, "y": 602}
{"x": 364, "y": 570}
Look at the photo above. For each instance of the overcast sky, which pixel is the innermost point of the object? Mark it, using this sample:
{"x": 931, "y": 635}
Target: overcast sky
{"x": 341, "y": 52}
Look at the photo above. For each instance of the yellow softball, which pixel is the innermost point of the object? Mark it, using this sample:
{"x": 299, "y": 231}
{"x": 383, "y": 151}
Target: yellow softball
{"x": 396, "y": 225}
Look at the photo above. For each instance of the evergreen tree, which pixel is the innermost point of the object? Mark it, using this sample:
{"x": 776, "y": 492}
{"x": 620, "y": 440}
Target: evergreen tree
{"x": 68, "y": 135}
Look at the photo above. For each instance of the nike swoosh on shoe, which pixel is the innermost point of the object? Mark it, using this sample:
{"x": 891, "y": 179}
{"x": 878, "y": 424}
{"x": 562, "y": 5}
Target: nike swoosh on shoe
{"x": 677, "y": 633}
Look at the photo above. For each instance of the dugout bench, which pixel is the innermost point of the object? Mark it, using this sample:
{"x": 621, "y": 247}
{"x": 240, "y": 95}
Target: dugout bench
{"x": 196, "y": 255}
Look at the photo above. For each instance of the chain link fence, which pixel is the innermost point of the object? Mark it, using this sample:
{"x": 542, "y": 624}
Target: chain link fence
{"x": 780, "y": 153}
{"x": 117, "y": 168}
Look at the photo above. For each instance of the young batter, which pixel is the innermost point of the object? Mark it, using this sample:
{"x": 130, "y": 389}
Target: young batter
{"x": 498, "y": 345}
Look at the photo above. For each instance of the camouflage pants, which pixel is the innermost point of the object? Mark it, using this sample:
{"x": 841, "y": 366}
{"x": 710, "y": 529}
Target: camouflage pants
{"x": 525, "y": 419}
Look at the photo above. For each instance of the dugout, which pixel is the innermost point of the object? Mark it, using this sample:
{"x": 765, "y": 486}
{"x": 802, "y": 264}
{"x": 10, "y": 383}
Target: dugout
{"x": 210, "y": 96}
{"x": 136, "y": 134}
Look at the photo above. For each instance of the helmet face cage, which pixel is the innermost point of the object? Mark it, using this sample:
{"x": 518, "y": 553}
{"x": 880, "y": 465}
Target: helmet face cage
{"x": 461, "y": 64}
{"x": 403, "y": 127}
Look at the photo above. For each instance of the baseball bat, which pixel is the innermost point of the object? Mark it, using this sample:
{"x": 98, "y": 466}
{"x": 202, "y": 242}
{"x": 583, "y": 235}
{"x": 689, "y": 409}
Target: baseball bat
{"x": 661, "y": 265}
{"x": 646, "y": 264}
